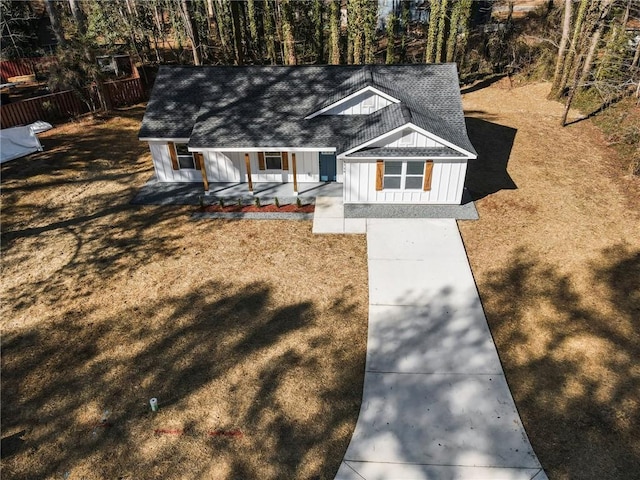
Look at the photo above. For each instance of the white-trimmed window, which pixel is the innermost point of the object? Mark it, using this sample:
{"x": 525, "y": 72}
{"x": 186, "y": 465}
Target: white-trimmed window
{"x": 403, "y": 175}
{"x": 392, "y": 175}
{"x": 185, "y": 157}
{"x": 273, "y": 160}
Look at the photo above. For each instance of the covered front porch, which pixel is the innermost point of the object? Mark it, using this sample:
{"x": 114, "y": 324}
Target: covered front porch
{"x": 192, "y": 193}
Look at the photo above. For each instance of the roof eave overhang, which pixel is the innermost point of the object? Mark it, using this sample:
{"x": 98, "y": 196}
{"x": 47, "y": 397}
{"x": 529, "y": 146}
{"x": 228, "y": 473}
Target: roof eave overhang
{"x": 262, "y": 149}
{"x": 404, "y": 157}
{"x": 164, "y": 139}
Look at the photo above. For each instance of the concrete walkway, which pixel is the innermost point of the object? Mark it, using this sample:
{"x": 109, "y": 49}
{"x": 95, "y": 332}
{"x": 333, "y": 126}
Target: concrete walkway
{"x": 435, "y": 402}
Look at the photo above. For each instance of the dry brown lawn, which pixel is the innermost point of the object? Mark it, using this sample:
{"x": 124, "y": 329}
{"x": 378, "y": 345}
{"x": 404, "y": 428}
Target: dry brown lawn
{"x": 260, "y": 327}
{"x": 557, "y": 263}
{"x": 251, "y": 327}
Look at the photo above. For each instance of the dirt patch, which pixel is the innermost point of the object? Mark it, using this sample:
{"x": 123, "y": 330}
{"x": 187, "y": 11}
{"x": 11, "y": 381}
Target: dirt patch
{"x": 556, "y": 256}
{"x": 254, "y": 348}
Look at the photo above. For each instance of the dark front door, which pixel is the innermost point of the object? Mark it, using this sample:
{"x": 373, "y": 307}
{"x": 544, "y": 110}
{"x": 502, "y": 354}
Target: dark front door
{"x": 327, "y": 167}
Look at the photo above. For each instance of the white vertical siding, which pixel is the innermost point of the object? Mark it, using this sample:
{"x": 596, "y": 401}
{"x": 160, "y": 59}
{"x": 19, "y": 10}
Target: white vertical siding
{"x": 230, "y": 167}
{"x": 164, "y": 170}
{"x": 306, "y": 163}
{"x": 407, "y": 138}
{"x": 307, "y": 167}
{"x": 446, "y": 186}
{"x": 221, "y": 168}
{"x": 362, "y": 104}
{"x": 340, "y": 166}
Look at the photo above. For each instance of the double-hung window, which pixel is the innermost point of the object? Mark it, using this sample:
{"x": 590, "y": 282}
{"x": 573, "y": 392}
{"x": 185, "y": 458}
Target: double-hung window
{"x": 185, "y": 157}
{"x": 403, "y": 175}
{"x": 273, "y": 160}
{"x": 414, "y": 175}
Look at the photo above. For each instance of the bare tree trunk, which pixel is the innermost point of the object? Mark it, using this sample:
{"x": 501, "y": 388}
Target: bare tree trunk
{"x": 404, "y": 17}
{"x": 636, "y": 57}
{"x": 188, "y": 25}
{"x": 334, "y": 36}
{"x": 354, "y": 26}
{"x": 434, "y": 15}
{"x": 591, "y": 25}
{"x": 288, "y": 38}
{"x": 453, "y": 32}
{"x": 318, "y": 36}
{"x": 159, "y": 24}
{"x": 237, "y": 32}
{"x": 562, "y": 49}
{"x": 596, "y": 30}
{"x": 220, "y": 14}
{"x": 574, "y": 48}
{"x": 441, "y": 28}
{"x": 572, "y": 92}
{"x": 370, "y": 17}
{"x": 465, "y": 15}
{"x": 56, "y": 26}
{"x": 269, "y": 32}
{"x": 595, "y": 40}
{"x": 391, "y": 27}
{"x": 253, "y": 30}
{"x": 78, "y": 16}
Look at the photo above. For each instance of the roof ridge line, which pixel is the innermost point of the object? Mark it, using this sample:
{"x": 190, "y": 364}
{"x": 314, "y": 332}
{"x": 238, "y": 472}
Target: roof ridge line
{"x": 368, "y": 75}
{"x": 406, "y": 112}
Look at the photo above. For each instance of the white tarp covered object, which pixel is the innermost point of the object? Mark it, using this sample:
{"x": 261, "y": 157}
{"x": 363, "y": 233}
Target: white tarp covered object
{"x": 17, "y": 142}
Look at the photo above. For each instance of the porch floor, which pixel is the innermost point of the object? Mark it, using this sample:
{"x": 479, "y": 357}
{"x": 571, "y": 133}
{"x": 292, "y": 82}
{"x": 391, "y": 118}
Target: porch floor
{"x": 161, "y": 193}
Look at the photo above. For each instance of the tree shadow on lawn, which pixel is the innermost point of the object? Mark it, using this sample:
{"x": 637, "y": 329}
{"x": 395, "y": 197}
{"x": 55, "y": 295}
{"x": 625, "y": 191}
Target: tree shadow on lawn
{"x": 493, "y": 142}
{"x": 222, "y": 358}
{"x": 84, "y": 211}
{"x": 571, "y": 361}
{"x": 97, "y": 153}
{"x": 112, "y": 240}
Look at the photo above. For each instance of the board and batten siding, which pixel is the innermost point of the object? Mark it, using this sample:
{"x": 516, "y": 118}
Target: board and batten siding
{"x": 222, "y": 168}
{"x": 164, "y": 170}
{"x": 407, "y": 138}
{"x": 229, "y": 167}
{"x": 362, "y": 104}
{"x": 306, "y": 163}
{"x": 447, "y": 184}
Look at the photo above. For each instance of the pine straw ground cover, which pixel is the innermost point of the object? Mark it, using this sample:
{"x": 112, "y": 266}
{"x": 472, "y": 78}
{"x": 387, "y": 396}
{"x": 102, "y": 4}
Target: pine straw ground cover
{"x": 557, "y": 263}
{"x": 251, "y": 334}
{"x": 105, "y": 305}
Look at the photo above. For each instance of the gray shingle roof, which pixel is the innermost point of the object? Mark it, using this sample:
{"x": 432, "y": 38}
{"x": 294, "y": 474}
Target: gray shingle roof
{"x": 384, "y": 152}
{"x": 265, "y": 106}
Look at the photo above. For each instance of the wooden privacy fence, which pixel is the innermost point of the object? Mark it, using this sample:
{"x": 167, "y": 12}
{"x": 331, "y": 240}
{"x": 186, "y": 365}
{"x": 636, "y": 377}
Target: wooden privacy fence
{"x": 125, "y": 92}
{"x": 47, "y": 107}
{"x": 65, "y": 105}
{"x": 25, "y": 66}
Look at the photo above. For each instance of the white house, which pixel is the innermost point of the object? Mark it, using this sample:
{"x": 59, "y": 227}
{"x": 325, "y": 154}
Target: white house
{"x": 388, "y": 134}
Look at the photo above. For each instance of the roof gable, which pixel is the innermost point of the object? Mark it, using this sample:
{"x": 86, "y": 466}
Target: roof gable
{"x": 423, "y": 143}
{"x": 368, "y": 91}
